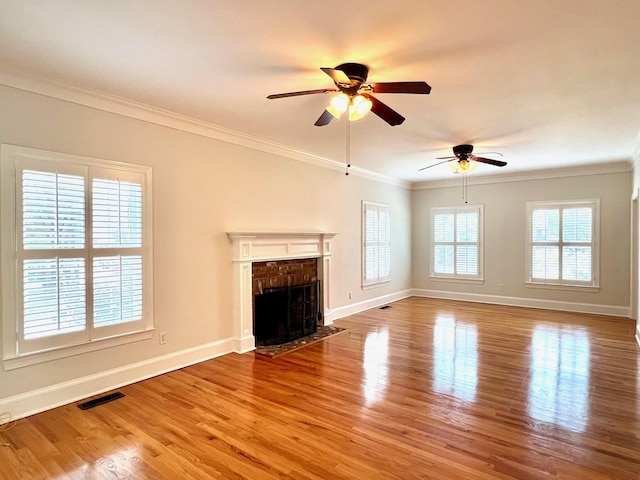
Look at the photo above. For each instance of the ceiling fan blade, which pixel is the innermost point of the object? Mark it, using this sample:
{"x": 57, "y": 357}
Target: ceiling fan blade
{"x": 303, "y": 92}
{"x": 324, "y": 119}
{"x": 490, "y": 161}
{"x": 338, "y": 76}
{"x": 401, "y": 87}
{"x": 448, "y": 158}
{"x": 491, "y": 153}
{"x": 384, "y": 112}
{"x": 439, "y": 163}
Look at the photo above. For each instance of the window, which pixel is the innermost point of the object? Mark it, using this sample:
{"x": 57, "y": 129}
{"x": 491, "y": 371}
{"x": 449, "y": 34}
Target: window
{"x": 456, "y": 242}
{"x": 76, "y": 250}
{"x": 562, "y": 243}
{"x": 376, "y": 251}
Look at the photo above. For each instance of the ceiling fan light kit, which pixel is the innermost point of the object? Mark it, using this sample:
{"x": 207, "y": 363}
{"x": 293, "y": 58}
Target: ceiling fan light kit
{"x": 463, "y": 166}
{"x": 358, "y": 106}
{"x": 355, "y": 96}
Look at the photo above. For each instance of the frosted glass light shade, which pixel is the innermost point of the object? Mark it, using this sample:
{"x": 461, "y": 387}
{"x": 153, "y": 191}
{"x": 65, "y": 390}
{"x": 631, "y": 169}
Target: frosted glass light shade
{"x": 359, "y": 107}
{"x": 338, "y": 105}
{"x": 463, "y": 166}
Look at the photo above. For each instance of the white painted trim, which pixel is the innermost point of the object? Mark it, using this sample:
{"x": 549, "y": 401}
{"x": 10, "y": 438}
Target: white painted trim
{"x": 355, "y": 308}
{"x": 560, "y": 283}
{"x": 12, "y": 159}
{"x": 455, "y": 210}
{"x": 358, "y": 307}
{"x": 637, "y": 336}
{"x": 249, "y": 247}
{"x": 378, "y": 208}
{"x": 613, "y": 310}
{"x": 35, "y": 401}
{"x": 147, "y": 113}
{"x": 244, "y": 344}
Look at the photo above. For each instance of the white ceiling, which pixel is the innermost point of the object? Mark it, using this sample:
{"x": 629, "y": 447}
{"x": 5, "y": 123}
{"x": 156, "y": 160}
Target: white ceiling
{"x": 549, "y": 83}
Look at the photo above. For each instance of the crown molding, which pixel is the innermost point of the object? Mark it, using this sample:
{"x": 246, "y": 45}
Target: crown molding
{"x": 546, "y": 174}
{"x": 147, "y": 113}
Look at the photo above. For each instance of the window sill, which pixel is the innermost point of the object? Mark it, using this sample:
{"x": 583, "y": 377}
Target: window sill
{"x": 26, "y": 360}
{"x": 475, "y": 281}
{"x": 559, "y": 286}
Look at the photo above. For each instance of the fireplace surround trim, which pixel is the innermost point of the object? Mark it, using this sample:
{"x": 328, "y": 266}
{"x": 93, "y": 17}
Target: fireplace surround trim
{"x": 249, "y": 247}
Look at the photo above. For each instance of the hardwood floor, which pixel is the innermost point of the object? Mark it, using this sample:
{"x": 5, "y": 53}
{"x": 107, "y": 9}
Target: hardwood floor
{"x": 425, "y": 389}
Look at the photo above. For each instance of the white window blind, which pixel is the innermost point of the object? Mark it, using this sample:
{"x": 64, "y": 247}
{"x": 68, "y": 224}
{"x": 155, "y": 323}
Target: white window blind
{"x": 456, "y": 242}
{"x": 117, "y": 213}
{"x": 81, "y": 253}
{"x": 53, "y": 214}
{"x": 54, "y": 296}
{"x": 376, "y": 253}
{"x": 562, "y": 247}
{"x": 117, "y": 279}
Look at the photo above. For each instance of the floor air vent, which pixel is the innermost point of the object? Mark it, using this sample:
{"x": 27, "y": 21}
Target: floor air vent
{"x": 385, "y": 307}
{"x": 99, "y": 401}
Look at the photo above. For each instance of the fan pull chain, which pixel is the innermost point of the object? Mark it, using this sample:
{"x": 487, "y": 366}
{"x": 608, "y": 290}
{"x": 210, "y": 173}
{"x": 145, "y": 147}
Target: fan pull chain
{"x": 464, "y": 187}
{"x": 348, "y": 147}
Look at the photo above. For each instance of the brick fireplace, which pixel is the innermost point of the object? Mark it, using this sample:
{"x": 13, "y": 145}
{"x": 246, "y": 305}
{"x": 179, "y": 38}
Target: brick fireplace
{"x": 290, "y": 256}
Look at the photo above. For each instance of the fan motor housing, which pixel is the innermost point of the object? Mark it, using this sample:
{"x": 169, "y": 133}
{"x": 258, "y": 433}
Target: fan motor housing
{"x": 355, "y": 71}
{"x": 462, "y": 150}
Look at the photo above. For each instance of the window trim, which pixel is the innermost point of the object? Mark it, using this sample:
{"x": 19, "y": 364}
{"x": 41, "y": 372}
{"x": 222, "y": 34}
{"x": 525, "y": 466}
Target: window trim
{"x": 370, "y": 283}
{"x": 11, "y": 157}
{"x": 454, "y": 277}
{"x": 560, "y": 284}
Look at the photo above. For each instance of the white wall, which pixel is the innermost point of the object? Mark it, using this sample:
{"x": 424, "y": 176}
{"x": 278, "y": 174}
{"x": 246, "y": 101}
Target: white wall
{"x": 505, "y": 234}
{"x": 202, "y": 189}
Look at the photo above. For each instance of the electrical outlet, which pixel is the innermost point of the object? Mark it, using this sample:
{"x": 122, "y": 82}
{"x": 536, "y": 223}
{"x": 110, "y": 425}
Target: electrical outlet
{"x": 350, "y": 295}
{"x": 501, "y": 287}
{"x": 163, "y": 338}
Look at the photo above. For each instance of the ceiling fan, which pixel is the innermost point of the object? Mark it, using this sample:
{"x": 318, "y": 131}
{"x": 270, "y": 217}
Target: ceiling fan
{"x": 356, "y": 96}
{"x": 465, "y": 159}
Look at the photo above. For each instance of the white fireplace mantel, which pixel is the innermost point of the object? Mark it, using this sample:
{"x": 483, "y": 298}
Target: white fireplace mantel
{"x": 249, "y": 247}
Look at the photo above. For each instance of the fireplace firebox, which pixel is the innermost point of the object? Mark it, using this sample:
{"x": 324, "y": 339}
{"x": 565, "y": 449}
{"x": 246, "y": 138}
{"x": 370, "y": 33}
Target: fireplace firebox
{"x": 283, "y": 314}
{"x": 286, "y": 300}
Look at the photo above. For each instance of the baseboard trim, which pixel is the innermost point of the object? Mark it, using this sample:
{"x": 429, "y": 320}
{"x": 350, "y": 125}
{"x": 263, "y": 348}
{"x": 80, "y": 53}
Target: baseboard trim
{"x": 244, "y": 345}
{"x": 36, "y": 401}
{"x": 596, "y": 309}
{"x": 638, "y": 334}
{"x": 358, "y": 307}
